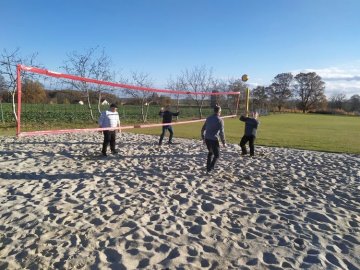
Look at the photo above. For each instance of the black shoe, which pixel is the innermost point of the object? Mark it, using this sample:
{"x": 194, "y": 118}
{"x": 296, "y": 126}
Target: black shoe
{"x": 170, "y": 142}
{"x": 104, "y": 154}
{"x": 114, "y": 152}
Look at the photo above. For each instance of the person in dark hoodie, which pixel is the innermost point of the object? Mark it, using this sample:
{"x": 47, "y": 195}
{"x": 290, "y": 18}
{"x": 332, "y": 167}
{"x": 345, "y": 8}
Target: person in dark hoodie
{"x": 167, "y": 119}
{"x": 251, "y": 125}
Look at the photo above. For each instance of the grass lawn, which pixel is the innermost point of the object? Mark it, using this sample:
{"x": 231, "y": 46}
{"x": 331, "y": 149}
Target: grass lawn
{"x": 327, "y": 133}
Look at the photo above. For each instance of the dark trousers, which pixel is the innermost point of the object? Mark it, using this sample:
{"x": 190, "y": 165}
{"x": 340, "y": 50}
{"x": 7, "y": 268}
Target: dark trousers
{"x": 214, "y": 150}
{"x": 170, "y": 129}
{"x": 109, "y": 138}
{"x": 243, "y": 142}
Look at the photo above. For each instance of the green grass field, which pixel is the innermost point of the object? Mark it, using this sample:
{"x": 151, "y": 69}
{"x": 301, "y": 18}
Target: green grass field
{"x": 326, "y": 133}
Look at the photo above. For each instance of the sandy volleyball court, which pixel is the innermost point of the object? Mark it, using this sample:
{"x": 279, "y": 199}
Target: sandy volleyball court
{"x": 62, "y": 206}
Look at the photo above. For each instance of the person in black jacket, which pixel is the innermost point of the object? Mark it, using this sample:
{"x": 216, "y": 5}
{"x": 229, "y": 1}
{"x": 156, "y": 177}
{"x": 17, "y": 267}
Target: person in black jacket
{"x": 251, "y": 125}
{"x": 167, "y": 119}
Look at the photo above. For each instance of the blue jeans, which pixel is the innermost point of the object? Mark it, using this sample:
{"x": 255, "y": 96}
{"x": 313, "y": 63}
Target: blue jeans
{"x": 170, "y": 129}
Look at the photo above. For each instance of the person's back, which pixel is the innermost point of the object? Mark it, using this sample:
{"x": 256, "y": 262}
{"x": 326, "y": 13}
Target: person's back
{"x": 214, "y": 128}
{"x": 211, "y": 130}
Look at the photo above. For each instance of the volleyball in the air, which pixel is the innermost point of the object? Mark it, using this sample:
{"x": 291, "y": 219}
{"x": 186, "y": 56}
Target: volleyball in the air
{"x": 244, "y": 77}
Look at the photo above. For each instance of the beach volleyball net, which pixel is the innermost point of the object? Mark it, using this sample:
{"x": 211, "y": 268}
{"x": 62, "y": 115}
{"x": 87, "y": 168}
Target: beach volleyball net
{"x": 50, "y": 102}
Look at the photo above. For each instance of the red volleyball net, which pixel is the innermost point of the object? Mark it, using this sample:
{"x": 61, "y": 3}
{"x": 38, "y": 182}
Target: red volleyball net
{"x": 50, "y": 102}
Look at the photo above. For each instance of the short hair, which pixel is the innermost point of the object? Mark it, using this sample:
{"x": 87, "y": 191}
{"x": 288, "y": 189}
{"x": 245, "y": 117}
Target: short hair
{"x": 217, "y": 109}
{"x": 113, "y": 105}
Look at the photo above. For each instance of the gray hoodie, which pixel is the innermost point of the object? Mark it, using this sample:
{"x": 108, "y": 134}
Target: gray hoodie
{"x": 213, "y": 128}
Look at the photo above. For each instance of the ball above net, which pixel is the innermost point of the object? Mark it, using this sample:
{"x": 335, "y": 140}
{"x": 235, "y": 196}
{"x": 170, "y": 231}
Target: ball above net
{"x": 244, "y": 77}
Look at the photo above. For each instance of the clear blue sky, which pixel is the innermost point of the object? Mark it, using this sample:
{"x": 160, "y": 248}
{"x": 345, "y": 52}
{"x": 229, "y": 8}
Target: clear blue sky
{"x": 164, "y": 37}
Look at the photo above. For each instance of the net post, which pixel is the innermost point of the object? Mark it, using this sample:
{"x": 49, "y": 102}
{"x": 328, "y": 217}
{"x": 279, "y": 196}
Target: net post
{"x": 245, "y": 78}
{"x": 237, "y": 104}
{"x": 18, "y": 86}
{"x": 247, "y": 101}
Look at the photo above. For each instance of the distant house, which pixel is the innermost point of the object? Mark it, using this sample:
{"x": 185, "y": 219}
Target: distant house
{"x": 105, "y": 102}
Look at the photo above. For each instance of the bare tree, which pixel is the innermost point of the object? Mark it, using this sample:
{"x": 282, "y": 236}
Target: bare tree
{"x": 198, "y": 80}
{"x": 310, "y": 89}
{"x": 337, "y": 101}
{"x": 91, "y": 64}
{"x": 2, "y": 89}
{"x": 221, "y": 100}
{"x": 281, "y": 89}
{"x": 2, "y": 111}
{"x": 2, "y": 83}
{"x": 101, "y": 70}
{"x": 177, "y": 85}
{"x": 144, "y": 98}
{"x": 234, "y": 101}
{"x": 8, "y": 63}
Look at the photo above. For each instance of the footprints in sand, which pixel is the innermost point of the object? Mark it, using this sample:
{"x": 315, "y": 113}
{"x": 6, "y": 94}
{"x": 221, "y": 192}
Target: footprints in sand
{"x": 157, "y": 208}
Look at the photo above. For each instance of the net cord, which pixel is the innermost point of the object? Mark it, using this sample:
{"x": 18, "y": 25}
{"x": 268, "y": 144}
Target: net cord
{"x": 61, "y": 131}
{"x": 118, "y": 85}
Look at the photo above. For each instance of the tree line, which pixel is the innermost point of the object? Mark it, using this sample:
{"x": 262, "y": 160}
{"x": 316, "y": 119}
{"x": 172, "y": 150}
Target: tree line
{"x": 304, "y": 91}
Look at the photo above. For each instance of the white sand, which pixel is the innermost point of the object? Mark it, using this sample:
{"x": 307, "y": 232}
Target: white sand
{"x": 63, "y": 206}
